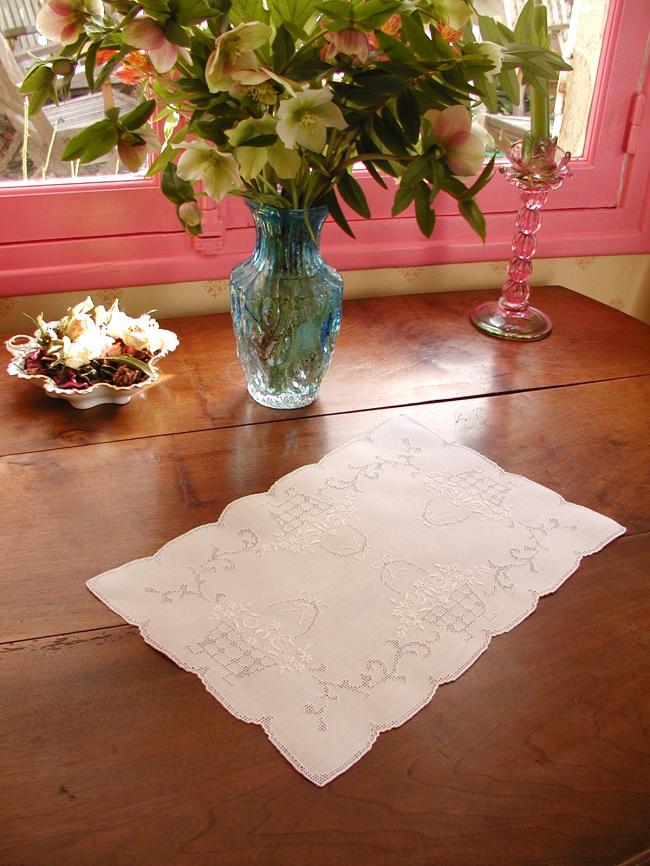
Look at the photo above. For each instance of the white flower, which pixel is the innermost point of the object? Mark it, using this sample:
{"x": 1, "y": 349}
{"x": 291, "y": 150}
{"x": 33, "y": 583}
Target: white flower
{"x": 141, "y": 333}
{"x": 233, "y": 59}
{"x": 86, "y": 348}
{"x": 251, "y": 159}
{"x": 162, "y": 341}
{"x": 304, "y": 119}
{"x": 218, "y": 171}
{"x": 493, "y": 52}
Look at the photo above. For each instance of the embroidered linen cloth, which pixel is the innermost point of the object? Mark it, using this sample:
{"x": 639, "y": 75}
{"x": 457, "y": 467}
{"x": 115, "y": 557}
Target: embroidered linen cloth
{"x": 332, "y": 607}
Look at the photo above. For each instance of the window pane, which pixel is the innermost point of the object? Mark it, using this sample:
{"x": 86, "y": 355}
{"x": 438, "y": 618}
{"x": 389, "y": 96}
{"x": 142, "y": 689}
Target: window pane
{"x": 577, "y": 28}
{"x": 53, "y": 127}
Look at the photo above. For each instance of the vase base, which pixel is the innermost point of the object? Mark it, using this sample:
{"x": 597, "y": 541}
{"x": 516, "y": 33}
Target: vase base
{"x": 281, "y": 401}
{"x": 529, "y": 324}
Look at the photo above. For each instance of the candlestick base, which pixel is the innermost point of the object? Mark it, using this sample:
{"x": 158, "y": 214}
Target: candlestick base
{"x": 527, "y": 324}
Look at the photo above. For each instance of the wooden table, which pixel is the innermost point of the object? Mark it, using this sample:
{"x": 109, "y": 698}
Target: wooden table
{"x": 539, "y": 755}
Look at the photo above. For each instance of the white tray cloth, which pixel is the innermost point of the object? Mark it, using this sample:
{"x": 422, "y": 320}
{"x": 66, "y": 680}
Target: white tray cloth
{"x": 330, "y": 608}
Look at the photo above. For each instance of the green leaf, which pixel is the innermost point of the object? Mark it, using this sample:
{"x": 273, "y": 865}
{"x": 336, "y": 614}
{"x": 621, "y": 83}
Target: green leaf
{"x": 89, "y": 64}
{"x": 340, "y": 11}
{"x": 37, "y": 100}
{"x": 416, "y": 37}
{"x": 415, "y": 172}
{"x": 132, "y": 362}
{"x": 488, "y": 90}
{"x": 294, "y": 12}
{"x": 175, "y": 188}
{"x": 472, "y": 214}
{"x": 139, "y": 115}
{"x": 424, "y": 216}
{"x": 510, "y": 85}
{"x": 374, "y": 174}
{"x": 353, "y": 195}
{"x": 373, "y": 13}
{"x": 161, "y": 161}
{"x": 158, "y": 9}
{"x": 36, "y": 79}
{"x": 259, "y": 140}
{"x": 403, "y": 198}
{"x": 395, "y": 49}
{"x": 506, "y": 32}
{"x": 389, "y": 133}
{"x": 108, "y": 67}
{"x": 100, "y": 145}
{"x": 482, "y": 180}
{"x": 78, "y": 145}
{"x": 248, "y": 10}
{"x": 524, "y": 24}
{"x": 408, "y": 112}
{"x": 489, "y": 30}
{"x": 283, "y": 49}
{"x": 176, "y": 33}
{"x": 336, "y": 213}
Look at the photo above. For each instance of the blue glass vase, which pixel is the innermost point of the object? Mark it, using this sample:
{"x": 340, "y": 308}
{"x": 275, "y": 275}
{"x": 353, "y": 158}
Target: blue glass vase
{"x": 286, "y": 307}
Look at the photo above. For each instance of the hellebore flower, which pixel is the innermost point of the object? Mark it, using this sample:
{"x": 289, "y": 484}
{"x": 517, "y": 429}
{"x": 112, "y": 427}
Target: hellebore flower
{"x": 145, "y": 33}
{"x": 251, "y": 159}
{"x": 493, "y": 52}
{"x": 463, "y": 151}
{"x": 285, "y": 162}
{"x": 190, "y": 213}
{"x": 234, "y": 60}
{"x": 132, "y": 151}
{"x": 63, "y": 20}
{"x": 218, "y": 171}
{"x": 350, "y": 42}
{"x": 304, "y": 119}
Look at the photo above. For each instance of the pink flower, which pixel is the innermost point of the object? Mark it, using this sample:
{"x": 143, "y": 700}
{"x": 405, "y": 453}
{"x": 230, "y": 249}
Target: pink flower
{"x": 145, "y": 33}
{"x": 190, "y": 213}
{"x": 464, "y": 152}
{"x": 63, "y": 20}
{"x": 132, "y": 152}
{"x": 350, "y": 42}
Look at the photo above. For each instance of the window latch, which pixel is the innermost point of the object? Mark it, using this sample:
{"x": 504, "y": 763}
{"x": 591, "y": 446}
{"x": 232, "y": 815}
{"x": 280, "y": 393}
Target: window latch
{"x": 634, "y": 128}
{"x": 210, "y": 242}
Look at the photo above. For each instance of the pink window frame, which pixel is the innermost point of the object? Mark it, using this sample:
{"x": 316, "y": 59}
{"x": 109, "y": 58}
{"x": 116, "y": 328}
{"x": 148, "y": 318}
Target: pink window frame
{"x": 64, "y": 237}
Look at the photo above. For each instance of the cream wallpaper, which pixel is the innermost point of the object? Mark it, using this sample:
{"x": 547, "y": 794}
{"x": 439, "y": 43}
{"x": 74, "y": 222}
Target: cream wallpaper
{"x": 620, "y": 281}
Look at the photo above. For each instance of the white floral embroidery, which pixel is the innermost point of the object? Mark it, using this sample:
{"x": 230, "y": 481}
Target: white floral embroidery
{"x": 330, "y": 608}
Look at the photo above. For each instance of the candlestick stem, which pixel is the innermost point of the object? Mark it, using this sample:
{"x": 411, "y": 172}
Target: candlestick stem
{"x": 534, "y": 174}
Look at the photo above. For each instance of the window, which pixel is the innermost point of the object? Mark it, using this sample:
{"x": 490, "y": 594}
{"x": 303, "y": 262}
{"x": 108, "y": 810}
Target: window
{"x": 122, "y": 232}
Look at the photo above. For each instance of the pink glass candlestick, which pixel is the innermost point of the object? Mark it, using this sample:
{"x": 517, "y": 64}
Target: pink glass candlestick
{"x": 535, "y": 170}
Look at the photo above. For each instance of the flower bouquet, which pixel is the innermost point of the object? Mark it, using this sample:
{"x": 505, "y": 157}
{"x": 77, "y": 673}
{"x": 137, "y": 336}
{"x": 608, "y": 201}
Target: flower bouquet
{"x": 92, "y": 355}
{"x": 285, "y": 102}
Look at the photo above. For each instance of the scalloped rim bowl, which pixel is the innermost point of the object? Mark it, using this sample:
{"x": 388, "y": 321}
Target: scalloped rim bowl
{"x": 102, "y": 392}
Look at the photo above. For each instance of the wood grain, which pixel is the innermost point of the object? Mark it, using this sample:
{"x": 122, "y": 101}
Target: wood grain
{"x": 120, "y": 501}
{"x": 392, "y": 351}
{"x": 539, "y": 755}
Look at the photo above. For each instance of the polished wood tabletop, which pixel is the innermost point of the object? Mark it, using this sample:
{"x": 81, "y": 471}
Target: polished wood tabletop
{"x": 539, "y": 755}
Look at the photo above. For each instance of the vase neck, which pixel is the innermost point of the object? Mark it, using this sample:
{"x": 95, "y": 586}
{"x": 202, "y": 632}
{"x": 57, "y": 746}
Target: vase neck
{"x": 287, "y": 241}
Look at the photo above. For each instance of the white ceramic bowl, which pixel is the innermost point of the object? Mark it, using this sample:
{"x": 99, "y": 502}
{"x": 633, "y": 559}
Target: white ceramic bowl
{"x": 21, "y": 345}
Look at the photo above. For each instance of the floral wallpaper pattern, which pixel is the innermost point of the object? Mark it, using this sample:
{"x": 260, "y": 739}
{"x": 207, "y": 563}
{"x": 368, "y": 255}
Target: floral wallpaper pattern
{"x": 622, "y": 282}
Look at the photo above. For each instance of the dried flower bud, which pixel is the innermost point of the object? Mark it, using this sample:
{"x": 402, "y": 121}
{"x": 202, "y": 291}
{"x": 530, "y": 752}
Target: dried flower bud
{"x": 63, "y": 66}
{"x": 190, "y": 213}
